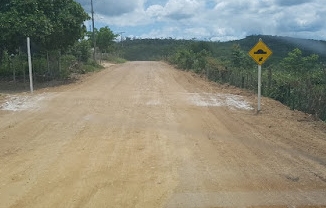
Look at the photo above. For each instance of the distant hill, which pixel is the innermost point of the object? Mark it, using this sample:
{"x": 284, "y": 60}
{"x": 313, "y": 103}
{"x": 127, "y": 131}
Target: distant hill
{"x": 155, "y": 49}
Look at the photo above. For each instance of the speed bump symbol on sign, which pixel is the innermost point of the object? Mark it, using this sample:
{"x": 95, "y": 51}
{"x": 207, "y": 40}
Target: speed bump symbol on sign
{"x": 260, "y": 52}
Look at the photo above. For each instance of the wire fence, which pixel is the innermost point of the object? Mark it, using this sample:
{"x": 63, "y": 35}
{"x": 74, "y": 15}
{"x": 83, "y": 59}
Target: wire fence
{"x": 304, "y": 94}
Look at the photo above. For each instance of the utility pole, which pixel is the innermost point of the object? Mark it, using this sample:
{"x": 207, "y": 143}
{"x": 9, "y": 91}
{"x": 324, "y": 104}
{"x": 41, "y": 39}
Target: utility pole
{"x": 94, "y": 39}
{"x": 121, "y": 37}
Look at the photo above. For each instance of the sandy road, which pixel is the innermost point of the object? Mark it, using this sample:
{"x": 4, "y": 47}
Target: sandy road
{"x": 142, "y": 134}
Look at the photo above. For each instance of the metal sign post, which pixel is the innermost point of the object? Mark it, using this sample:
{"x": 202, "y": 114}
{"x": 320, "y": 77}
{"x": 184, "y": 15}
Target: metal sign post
{"x": 30, "y": 64}
{"x": 259, "y": 88}
{"x": 260, "y": 53}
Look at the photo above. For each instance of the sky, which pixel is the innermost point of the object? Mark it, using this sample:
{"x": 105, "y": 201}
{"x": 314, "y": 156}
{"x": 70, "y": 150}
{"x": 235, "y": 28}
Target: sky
{"x": 213, "y": 20}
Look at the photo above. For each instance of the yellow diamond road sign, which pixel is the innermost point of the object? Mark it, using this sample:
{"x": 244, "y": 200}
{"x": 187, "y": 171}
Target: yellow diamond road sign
{"x": 260, "y": 52}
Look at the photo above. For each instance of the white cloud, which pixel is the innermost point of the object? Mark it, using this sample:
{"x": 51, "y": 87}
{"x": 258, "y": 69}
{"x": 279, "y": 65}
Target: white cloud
{"x": 112, "y": 7}
{"x": 163, "y": 33}
{"x": 182, "y": 9}
{"x": 291, "y": 2}
{"x": 215, "y": 19}
{"x": 155, "y": 11}
{"x": 197, "y": 32}
{"x": 175, "y": 9}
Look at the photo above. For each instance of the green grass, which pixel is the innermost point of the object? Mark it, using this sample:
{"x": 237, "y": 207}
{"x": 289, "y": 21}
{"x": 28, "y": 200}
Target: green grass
{"x": 119, "y": 60}
{"x": 91, "y": 66}
{"x": 113, "y": 59}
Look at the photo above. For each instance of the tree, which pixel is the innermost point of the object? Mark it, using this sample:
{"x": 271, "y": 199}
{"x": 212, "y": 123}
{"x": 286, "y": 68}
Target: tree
{"x": 299, "y": 64}
{"x": 82, "y": 50}
{"x": 19, "y": 19}
{"x": 240, "y": 59}
{"x": 53, "y": 24}
{"x": 293, "y": 62}
{"x": 105, "y": 38}
{"x": 67, "y": 18}
{"x": 90, "y": 36}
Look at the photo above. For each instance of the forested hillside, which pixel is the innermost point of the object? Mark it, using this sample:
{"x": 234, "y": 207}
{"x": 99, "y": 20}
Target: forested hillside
{"x": 295, "y": 74}
{"x": 281, "y": 46}
{"x": 155, "y": 49}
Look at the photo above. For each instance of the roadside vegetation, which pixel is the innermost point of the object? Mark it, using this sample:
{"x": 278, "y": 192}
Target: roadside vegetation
{"x": 60, "y": 44}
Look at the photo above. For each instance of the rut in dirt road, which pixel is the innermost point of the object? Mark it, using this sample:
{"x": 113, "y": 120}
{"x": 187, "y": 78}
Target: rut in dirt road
{"x": 144, "y": 134}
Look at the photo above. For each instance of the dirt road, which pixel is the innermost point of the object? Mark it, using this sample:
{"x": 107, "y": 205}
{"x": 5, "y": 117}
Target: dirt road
{"x": 143, "y": 134}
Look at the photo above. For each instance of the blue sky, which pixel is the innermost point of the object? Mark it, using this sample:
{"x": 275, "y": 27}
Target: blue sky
{"x": 214, "y": 20}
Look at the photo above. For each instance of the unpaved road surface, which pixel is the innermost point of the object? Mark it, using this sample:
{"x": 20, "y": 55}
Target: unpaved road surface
{"x": 143, "y": 134}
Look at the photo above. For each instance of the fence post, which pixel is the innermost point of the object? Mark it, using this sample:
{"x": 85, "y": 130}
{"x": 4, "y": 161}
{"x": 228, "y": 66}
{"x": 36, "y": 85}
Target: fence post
{"x": 30, "y": 64}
